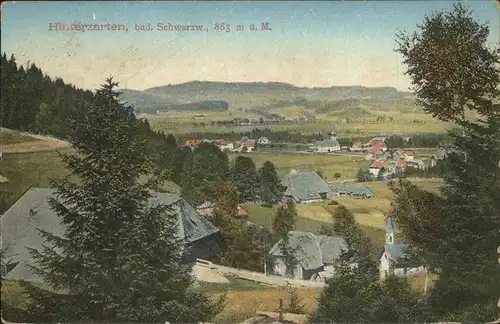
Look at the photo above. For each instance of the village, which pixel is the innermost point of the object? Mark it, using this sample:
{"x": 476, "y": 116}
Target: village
{"x": 279, "y": 163}
{"x": 385, "y": 163}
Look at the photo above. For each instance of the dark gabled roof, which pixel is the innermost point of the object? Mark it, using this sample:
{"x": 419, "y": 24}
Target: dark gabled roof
{"x": 306, "y": 249}
{"x": 307, "y": 185}
{"x": 331, "y": 247}
{"x": 32, "y": 211}
{"x": 312, "y": 251}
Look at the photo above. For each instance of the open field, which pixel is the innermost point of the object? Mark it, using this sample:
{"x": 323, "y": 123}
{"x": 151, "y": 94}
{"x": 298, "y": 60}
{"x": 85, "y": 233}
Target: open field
{"x": 25, "y": 170}
{"x": 9, "y": 137}
{"x": 265, "y": 215}
{"x": 243, "y": 304}
{"x": 351, "y": 129}
{"x": 12, "y": 141}
{"x": 347, "y": 166}
{"x": 244, "y": 298}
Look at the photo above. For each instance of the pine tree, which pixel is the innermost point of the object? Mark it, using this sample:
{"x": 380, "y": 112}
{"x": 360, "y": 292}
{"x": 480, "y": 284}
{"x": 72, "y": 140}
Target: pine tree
{"x": 201, "y": 170}
{"x": 466, "y": 255}
{"x": 120, "y": 259}
{"x": 243, "y": 248}
{"x": 354, "y": 295}
{"x": 271, "y": 188}
{"x": 244, "y": 175}
{"x": 285, "y": 219}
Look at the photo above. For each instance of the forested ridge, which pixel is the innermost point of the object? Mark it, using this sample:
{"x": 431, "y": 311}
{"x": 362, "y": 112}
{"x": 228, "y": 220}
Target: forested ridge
{"x": 33, "y": 101}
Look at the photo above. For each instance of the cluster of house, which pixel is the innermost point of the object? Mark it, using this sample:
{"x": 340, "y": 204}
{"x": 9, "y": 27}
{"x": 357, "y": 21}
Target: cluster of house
{"x": 392, "y": 161}
{"x": 315, "y": 254}
{"x": 245, "y": 144}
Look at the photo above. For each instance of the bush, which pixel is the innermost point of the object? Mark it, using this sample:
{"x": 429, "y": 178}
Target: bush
{"x": 333, "y": 202}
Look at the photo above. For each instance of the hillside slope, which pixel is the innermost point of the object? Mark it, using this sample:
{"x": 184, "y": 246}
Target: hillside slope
{"x": 252, "y": 95}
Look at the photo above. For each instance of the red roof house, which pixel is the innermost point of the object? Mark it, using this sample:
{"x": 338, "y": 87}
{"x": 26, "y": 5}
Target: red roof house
{"x": 193, "y": 143}
{"x": 401, "y": 163}
{"x": 409, "y": 152}
{"x": 242, "y": 212}
{"x": 379, "y": 143}
{"x": 378, "y": 165}
{"x": 376, "y": 150}
{"x": 250, "y": 143}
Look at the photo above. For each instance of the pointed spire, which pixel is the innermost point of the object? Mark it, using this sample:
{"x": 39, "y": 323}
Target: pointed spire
{"x": 389, "y": 231}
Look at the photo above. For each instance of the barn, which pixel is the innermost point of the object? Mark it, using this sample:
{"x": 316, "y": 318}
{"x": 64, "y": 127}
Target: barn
{"x": 32, "y": 211}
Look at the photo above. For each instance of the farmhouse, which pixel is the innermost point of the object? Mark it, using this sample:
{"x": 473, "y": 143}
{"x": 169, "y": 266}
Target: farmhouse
{"x": 393, "y": 257}
{"x": 314, "y": 254}
{"x": 376, "y": 166}
{"x": 225, "y": 145}
{"x": 352, "y": 191}
{"x": 263, "y": 140}
{"x": 305, "y": 186}
{"x": 438, "y": 156}
{"x": 409, "y": 155}
{"x": 356, "y": 146}
{"x": 206, "y": 209}
{"x": 327, "y": 145}
{"x": 193, "y": 143}
{"x": 20, "y": 224}
{"x": 377, "y": 140}
{"x": 250, "y": 144}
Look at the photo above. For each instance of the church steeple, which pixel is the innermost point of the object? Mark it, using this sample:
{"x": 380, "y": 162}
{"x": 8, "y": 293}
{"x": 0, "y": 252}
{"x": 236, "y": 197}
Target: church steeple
{"x": 389, "y": 231}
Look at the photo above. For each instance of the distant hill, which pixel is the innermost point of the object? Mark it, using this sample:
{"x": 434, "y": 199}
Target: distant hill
{"x": 214, "y": 105}
{"x": 208, "y": 95}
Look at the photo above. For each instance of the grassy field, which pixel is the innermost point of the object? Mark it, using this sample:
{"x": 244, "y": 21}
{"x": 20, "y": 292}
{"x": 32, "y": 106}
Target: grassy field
{"x": 186, "y": 123}
{"x": 25, "y": 170}
{"x": 264, "y": 216}
{"x": 347, "y": 166}
{"x": 242, "y": 305}
{"x": 9, "y": 137}
{"x": 369, "y": 213}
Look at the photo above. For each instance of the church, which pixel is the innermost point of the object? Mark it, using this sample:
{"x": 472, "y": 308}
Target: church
{"x": 394, "y": 254}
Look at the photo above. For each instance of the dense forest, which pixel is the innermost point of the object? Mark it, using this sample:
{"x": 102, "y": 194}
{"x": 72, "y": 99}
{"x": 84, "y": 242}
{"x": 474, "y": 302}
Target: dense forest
{"x": 34, "y": 102}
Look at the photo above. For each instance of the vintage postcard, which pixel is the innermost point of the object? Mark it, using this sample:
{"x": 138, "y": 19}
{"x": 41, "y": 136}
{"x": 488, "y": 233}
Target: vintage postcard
{"x": 250, "y": 161}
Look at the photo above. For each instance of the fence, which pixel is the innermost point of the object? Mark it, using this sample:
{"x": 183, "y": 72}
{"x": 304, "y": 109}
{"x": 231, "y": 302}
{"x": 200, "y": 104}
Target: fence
{"x": 260, "y": 277}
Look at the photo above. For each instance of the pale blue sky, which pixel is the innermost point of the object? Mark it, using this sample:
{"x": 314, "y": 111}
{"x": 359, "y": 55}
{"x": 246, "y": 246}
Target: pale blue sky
{"x": 311, "y": 43}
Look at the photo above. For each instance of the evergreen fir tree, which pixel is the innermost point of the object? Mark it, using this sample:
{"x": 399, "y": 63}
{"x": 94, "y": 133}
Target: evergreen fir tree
{"x": 243, "y": 248}
{"x": 201, "y": 170}
{"x": 120, "y": 259}
{"x": 271, "y": 188}
{"x": 244, "y": 175}
{"x": 285, "y": 219}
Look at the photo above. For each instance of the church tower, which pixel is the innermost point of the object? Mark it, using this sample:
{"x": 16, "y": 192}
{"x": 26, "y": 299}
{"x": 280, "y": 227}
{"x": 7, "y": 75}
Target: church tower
{"x": 389, "y": 231}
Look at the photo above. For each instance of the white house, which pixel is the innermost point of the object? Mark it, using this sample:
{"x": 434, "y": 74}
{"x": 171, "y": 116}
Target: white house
{"x": 393, "y": 255}
{"x": 263, "y": 140}
{"x": 409, "y": 155}
{"x": 226, "y": 146}
{"x": 376, "y": 166}
{"x": 327, "y": 145}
